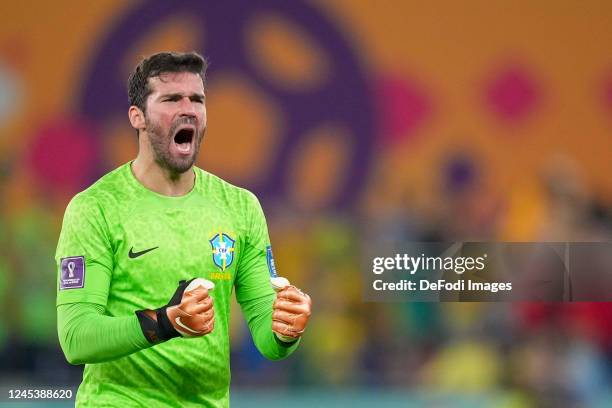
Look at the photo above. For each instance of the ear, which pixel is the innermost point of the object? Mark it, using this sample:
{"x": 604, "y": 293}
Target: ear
{"x": 137, "y": 117}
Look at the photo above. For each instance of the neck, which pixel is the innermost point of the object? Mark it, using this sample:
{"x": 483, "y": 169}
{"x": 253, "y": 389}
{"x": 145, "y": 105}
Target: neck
{"x": 161, "y": 180}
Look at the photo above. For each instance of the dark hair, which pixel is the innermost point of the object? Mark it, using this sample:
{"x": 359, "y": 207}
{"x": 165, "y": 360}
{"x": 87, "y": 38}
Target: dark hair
{"x": 138, "y": 83}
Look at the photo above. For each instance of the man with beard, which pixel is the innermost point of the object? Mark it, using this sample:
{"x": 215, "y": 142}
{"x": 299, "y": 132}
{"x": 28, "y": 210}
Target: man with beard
{"x": 153, "y": 223}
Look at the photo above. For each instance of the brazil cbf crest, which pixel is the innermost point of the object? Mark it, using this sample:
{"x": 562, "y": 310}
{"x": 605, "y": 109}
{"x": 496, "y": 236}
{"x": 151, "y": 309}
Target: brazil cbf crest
{"x": 223, "y": 250}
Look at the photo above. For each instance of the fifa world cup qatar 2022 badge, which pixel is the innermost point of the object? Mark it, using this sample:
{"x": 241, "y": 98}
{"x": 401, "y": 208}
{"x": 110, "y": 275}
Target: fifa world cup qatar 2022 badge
{"x": 223, "y": 247}
{"x": 72, "y": 272}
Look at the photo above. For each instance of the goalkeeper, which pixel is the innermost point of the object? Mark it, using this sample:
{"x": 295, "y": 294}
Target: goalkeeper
{"x": 149, "y": 256}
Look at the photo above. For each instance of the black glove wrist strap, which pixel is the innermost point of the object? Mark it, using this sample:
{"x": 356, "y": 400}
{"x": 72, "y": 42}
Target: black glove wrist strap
{"x": 162, "y": 329}
{"x": 166, "y": 330}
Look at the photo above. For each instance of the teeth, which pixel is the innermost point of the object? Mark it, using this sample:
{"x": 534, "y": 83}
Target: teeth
{"x": 183, "y": 147}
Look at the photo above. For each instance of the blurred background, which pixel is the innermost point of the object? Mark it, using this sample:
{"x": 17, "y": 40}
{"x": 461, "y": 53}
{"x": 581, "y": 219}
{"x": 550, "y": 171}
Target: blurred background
{"x": 359, "y": 124}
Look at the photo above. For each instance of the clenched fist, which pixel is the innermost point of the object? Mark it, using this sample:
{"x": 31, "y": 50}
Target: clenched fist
{"x": 291, "y": 311}
{"x": 189, "y": 313}
{"x": 195, "y": 315}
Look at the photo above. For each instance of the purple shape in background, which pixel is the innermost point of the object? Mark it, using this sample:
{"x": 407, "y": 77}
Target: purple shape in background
{"x": 460, "y": 174}
{"x": 344, "y": 99}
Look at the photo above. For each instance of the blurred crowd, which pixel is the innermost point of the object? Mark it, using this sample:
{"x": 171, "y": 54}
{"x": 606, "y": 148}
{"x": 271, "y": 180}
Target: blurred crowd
{"x": 520, "y": 354}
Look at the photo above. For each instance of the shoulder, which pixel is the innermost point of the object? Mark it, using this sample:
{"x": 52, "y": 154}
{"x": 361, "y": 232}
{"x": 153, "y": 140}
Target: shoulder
{"x": 217, "y": 187}
{"x": 100, "y": 194}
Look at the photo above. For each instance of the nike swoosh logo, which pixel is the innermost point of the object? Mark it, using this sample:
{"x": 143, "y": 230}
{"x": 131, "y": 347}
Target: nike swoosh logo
{"x": 133, "y": 254}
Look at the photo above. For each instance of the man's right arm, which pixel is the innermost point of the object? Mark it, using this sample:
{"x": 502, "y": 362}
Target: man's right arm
{"x": 88, "y": 336}
{"x": 85, "y": 261}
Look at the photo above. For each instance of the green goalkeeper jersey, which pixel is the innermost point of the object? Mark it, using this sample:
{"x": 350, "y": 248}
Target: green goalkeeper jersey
{"x": 125, "y": 248}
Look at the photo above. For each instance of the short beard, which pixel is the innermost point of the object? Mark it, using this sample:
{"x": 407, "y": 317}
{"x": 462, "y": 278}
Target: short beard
{"x": 160, "y": 145}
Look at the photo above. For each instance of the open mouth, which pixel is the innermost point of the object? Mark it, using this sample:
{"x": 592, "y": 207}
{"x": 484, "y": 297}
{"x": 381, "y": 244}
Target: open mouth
{"x": 183, "y": 139}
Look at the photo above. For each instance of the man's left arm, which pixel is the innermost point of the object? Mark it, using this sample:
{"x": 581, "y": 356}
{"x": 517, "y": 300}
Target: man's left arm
{"x": 276, "y": 320}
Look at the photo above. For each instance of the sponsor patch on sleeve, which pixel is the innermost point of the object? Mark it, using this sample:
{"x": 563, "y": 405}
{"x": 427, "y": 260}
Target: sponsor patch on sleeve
{"x": 72, "y": 272}
{"x": 270, "y": 259}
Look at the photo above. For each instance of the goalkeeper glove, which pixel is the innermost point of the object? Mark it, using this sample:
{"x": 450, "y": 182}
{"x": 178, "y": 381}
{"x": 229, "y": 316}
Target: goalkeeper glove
{"x": 189, "y": 313}
{"x": 290, "y": 311}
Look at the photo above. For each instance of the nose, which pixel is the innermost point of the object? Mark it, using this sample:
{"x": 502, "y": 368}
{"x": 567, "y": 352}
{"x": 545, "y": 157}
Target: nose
{"x": 187, "y": 108}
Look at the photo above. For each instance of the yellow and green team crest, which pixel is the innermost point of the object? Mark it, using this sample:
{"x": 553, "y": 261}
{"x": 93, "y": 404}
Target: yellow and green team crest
{"x": 223, "y": 250}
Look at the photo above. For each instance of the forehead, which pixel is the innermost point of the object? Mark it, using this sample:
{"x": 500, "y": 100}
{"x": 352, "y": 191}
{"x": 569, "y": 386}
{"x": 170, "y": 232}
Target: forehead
{"x": 176, "y": 82}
